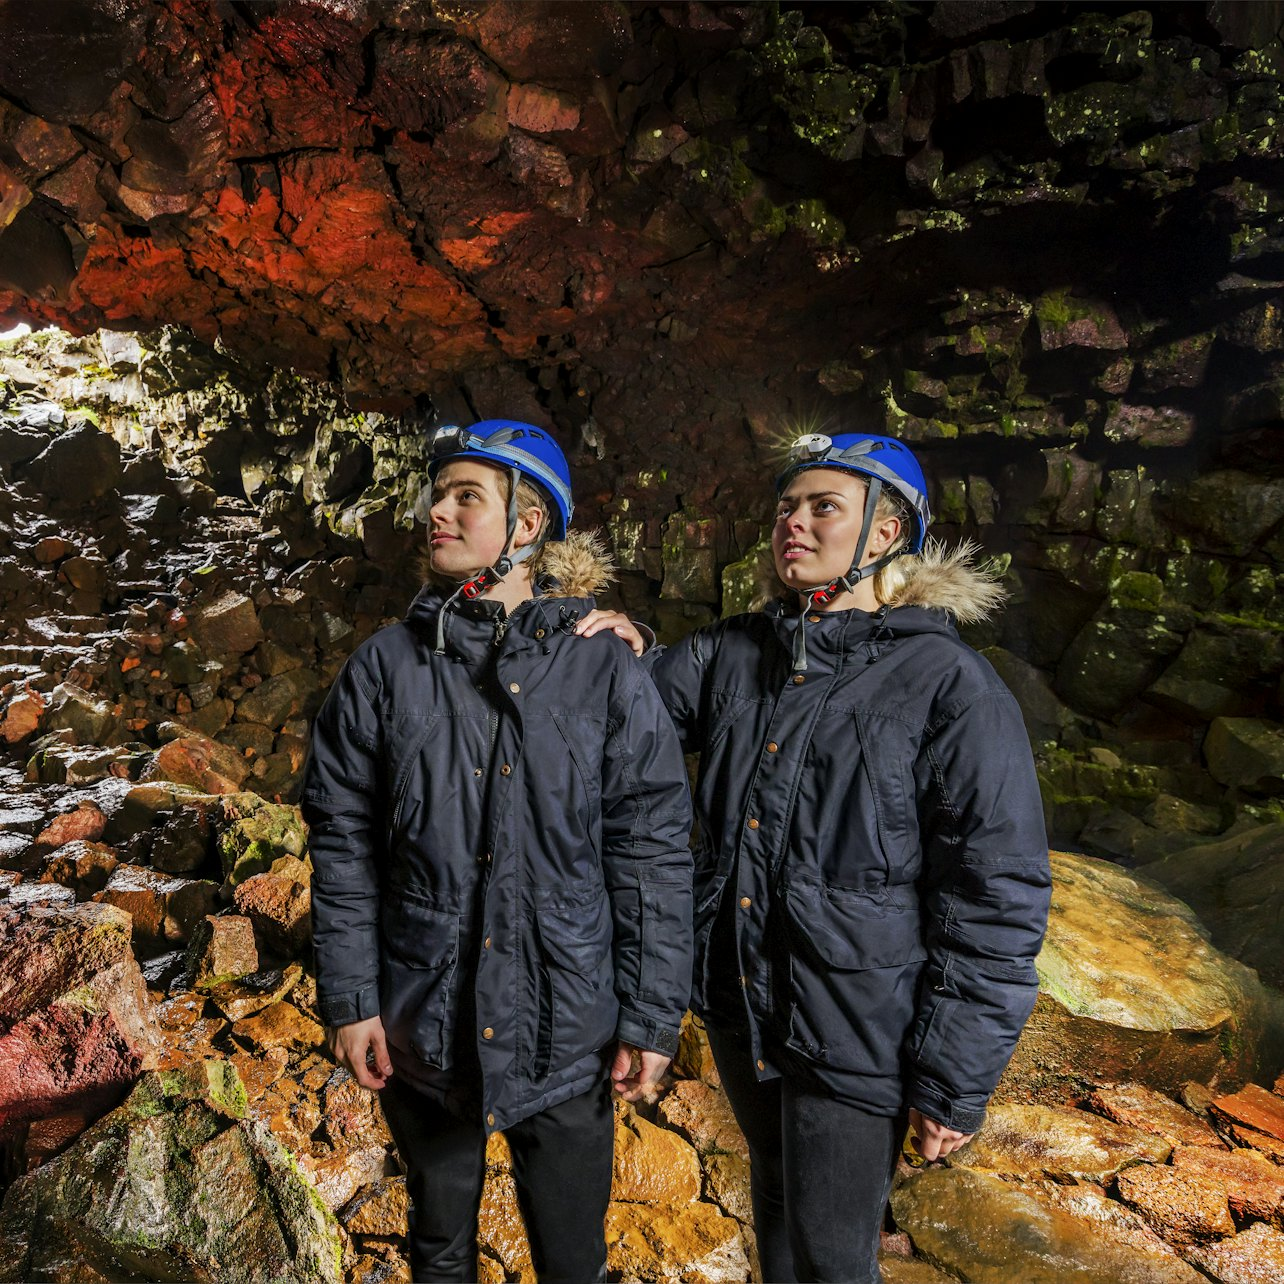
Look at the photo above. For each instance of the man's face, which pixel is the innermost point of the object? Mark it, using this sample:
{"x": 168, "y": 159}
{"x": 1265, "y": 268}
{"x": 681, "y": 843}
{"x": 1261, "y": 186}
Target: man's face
{"x": 818, "y": 522}
{"x": 468, "y": 519}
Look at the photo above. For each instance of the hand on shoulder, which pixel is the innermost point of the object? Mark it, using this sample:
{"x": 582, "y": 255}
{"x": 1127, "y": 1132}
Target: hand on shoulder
{"x": 598, "y": 621}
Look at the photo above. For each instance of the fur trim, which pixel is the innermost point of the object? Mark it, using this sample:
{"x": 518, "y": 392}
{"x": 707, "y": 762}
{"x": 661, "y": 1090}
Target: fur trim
{"x": 948, "y": 579}
{"x": 581, "y": 564}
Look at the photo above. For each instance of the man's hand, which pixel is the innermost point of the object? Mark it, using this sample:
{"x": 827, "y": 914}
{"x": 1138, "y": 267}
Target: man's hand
{"x": 934, "y": 1140}
{"x": 361, "y": 1050}
{"x": 634, "y": 1072}
{"x": 619, "y": 624}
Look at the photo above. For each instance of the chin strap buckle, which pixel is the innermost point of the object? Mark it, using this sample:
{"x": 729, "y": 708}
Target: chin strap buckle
{"x": 479, "y": 584}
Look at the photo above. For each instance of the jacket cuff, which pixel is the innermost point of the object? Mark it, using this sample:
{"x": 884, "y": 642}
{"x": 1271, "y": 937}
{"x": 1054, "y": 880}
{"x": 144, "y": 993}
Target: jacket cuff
{"x": 344, "y": 1009}
{"x": 646, "y": 1034}
{"x": 966, "y": 1116}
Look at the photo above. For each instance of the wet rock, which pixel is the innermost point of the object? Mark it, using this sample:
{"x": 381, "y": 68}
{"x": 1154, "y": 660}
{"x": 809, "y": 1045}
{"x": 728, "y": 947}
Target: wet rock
{"x": 653, "y": 1165}
{"x": 175, "y": 1183}
{"x": 380, "y": 1210}
{"x": 82, "y": 866}
{"x": 1184, "y": 1207}
{"x": 183, "y": 843}
{"x": 74, "y": 1010}
{"x": 1131, "y": 990}
{"x": 1254, "y": 1107}
{"x": 1152, "y": 1112}
{"x": 201, "y": 763}
{"x": 1247, "y": 753}
{"x": 702, "y": 1114}
{"x": 1044, "y": 715}
{"x": 22, "y": 715}
{"x": 226, "y": 626}
{"x": 250, "y": 994}
{"x": 255, "y": 834}
{"x": 1236, "y": 886}
{"x": 694, "y": 1058}
{"x": 1252, "y": 1184}
{"x": 1150, "y": 425}
{"x": 222, "y": 949}
{"x": 85, "y": 824}
{"x": 90, "y": 721}
{"x": 279, "y": 905}
{"x": 163, "y": 909}
{"x": 728, "y": 1179}
{"x": 696, "y": 1242}
{"x": 340, "y": 1175}
{"x": 951, "y": 1215}
{"x": 1254, "y": 1256}
{"x": 281, "y": 1025}
{"x": 501, "y": 1232}
{"x": 1066, "y": 321}
{"x": 1034, "y": 1141}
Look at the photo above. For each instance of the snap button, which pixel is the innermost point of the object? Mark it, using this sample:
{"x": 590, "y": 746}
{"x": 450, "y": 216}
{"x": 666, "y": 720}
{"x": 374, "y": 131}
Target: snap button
{"x": 772, "y": 746}
{"x": 753, "y": 824}
{"x": 813, "y": 619}
{"x": 799, "y": 679}
{"x": 490, "y": 1119}
{"x": 745, "y": 902}
{"x": 514, "y": 687}
{"x": 477, "y": 771}
{"x": 486, "y": 944}
{"x": 488, "y": 1033}
{"x": 506, "y": 770}
{"x": 762, "y": 1065}
{"x": 539, "y": 633}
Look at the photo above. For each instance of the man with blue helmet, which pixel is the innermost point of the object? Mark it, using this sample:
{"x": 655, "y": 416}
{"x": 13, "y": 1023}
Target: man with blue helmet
{"x": 872, "y": 877}
{"x": 499, "y": 823}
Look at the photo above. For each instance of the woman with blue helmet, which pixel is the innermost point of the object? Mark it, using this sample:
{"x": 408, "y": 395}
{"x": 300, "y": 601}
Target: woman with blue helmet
{"x": 501, "y": 900}
{"x": 872, "y": 872}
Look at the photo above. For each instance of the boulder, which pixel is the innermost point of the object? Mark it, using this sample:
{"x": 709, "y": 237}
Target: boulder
{"x": 1131, "y": 990}
{"x": 653, "y": 1165}
{"x": 1153, "y": 1112}
{"x": 228, "y": 625}
{"x": 80, "y": 464}
{"x": 86, "y": 823}
{"x": 952, "y": 1215}
{"x": 1184, "y": 1207}
{"x": 1254, "y": 1108}
{"x": 1254, "y": 1256}
{"x": 1236, "y": 886}
{"x": 83, "y": 866}
{"x": 198, "y": 762}
{"x": 73, "y": 709}
{"x": 163, "y": 908}
{"x": 222, "y": 949}
{"x": 279, "y": 903}
{"x": 668, "y": 1245}
{"x": 1056, "y": 1141}
{"x": 77, "y": 1021}
{"x": 22, "y": 715}
{"x": 1247, "y": 753}
{"x": 174, "y": 1184}
{"x": 703, "y": 1115}
{"x": 254, "y": 834}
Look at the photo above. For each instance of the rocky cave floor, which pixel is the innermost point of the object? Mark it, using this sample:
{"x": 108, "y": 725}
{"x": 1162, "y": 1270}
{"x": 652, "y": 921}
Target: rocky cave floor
{"x": 167, "y": 1109}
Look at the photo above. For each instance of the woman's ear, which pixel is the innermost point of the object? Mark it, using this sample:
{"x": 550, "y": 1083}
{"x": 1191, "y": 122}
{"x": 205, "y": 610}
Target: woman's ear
{"x": 530, "y": 521}
{"x": 883, "y": 536}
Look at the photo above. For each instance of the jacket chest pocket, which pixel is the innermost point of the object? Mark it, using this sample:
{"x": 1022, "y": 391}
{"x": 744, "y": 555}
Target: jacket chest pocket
{"x": 887, "y": 763}
{"x": 417, "y": 977}
{"x": 577, "y": 1010}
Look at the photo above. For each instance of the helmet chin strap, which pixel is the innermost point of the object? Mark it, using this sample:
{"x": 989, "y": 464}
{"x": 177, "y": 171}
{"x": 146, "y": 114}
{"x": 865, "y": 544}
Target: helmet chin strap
{"x": 823, "y": 594}
{"x": 486, "y": 580}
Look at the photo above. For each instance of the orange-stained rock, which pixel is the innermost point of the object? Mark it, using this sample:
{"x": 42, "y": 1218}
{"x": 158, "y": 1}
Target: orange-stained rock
{"x": 1153, "y": 1112}
{"x": 86, "y": 823}
{"x": 501, "y": 1232}
{"x": 1110, "y": 1218}
{"x": 1184, "y": 1207}
{"x": 1255, "y": 1108}
{"x": 81, "y": 865}
{"x": 203, "y": 764}
{"x": 280, "y": 1026}
{"x": 1271, "y": 1147}
{"x": 163, "y": 909}
{"x": 22, "y": 715}
{"x": 728, "y": 1178}
{"x": 222, "y": 949}
{"x": 702, "y": 1114}
{"x": 1255, "y": 1256}
{"x": 352, "y": 1113}
{"x": 340, "y": 1174}
{"x": 698, "y": 1242}
{"x": 1253, "y": 1185}
{"x": 694, "y": 1059}
{"x": 251, "y": 994}
{"x": 380, "y": 1210}
{"x": 279, "y": 906}
{"x": 1033, "y": 1141}
{"x": 652, "y": 1165}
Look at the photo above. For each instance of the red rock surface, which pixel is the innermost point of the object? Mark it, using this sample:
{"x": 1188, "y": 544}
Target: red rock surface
{"x": 1255, "y": 1108}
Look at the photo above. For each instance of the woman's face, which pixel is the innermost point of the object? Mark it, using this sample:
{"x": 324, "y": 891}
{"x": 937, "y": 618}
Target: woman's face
{"x": 818, "y": 521}
{"x": 468, "y": 519}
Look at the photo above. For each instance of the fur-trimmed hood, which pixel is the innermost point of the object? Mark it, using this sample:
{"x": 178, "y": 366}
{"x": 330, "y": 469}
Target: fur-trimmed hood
{"x": 939, "y": 578}
{"x": 578, "y": 566}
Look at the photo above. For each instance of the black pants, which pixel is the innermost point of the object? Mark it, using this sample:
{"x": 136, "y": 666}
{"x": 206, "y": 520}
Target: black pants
{"x": 561, "y": 1165}
{"x": 819, "y": 1172}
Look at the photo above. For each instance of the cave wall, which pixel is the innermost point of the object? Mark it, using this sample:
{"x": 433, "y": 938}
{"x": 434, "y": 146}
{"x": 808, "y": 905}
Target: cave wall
{"x": 1040, "y": 241}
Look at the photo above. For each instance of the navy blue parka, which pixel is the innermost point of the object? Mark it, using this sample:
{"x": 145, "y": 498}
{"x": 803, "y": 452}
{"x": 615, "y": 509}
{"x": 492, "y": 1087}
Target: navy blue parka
{"x": 872, "y": 877}
{"x": 500, "y": 839}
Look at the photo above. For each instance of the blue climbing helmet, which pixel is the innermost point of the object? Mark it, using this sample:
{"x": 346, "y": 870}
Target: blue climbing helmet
{"x": 881, "y": 461}
{"x": 519, "y": 448}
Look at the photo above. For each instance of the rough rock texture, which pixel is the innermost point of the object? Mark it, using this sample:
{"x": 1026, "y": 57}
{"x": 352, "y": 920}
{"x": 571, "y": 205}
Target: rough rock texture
{"x": 1130, "y": 989}
{"x": 75, "y": 1025}
{"x": 176, "y": 1184}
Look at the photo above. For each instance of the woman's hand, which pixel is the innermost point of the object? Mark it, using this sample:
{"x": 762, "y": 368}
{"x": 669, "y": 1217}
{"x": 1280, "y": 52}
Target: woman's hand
{"x": 635, "y": 1071}
{"x": 617, "y": 622}
{"x": 934, "y": 1140}
{"x": 361, "y": 1050}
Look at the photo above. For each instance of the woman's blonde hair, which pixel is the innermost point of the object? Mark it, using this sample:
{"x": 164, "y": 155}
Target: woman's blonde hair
{"x": 890, "y": 579}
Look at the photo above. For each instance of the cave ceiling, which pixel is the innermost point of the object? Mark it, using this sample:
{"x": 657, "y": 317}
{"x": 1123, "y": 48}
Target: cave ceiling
{"x": 617, "y": 216}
